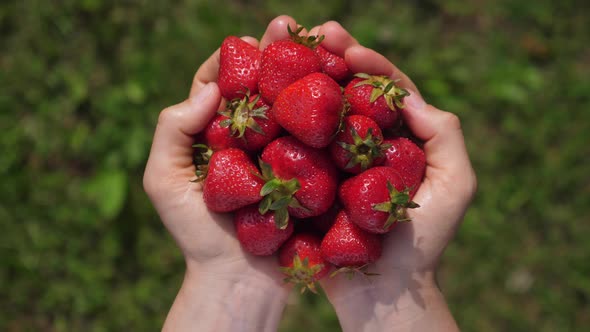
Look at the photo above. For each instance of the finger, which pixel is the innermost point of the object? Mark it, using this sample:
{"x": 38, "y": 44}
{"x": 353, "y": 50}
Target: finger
{"x": 336, "y": 39}
{"x": 364, "y": 60}
{"x": 171, "y": 150}
{"x": 303, "y": 31}
{"x": 209, "y": 70}
{"x": 449, "y": 183}
{"x": 250, "y": 40}
{"x": 277, "y": 30}
{"x": 315, "y": 31}
{"x": 206, "y": 73}
{"x": 446, "y": 154}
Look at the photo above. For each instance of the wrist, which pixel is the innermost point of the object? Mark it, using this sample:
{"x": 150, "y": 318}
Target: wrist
{"x": 373, "y": 303}
{"x": 226, "y": 299}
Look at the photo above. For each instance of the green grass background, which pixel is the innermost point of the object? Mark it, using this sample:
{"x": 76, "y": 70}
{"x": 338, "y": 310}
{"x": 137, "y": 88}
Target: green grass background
{"x": 82, "y": 83}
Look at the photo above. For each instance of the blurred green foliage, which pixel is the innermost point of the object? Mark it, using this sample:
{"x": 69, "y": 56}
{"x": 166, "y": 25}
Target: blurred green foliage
{"x": 82, "y": 83}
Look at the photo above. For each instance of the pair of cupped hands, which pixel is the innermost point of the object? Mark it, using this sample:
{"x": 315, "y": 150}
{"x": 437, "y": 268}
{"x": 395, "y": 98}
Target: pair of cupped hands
{"x": 225, "y": 287}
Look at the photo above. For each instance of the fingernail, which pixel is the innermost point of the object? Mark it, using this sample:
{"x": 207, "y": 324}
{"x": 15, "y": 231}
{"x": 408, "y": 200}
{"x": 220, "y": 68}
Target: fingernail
{"x": 202, "y": 95}
{"x": 414, "y": 100}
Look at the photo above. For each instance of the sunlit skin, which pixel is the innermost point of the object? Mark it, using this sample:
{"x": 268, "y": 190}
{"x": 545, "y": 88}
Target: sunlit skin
{"x": 226, "y": 289}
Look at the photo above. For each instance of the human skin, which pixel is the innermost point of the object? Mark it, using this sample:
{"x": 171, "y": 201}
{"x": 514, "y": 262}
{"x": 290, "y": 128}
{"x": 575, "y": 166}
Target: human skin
{"x": 226, "y": 289}
{"x": 404, "y": 296}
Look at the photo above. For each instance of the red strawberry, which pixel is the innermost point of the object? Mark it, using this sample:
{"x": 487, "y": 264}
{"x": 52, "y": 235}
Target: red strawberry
{"x": 376, "y": 199}
{"x": 246, "y": 123}
{"x": 218, "y": 137}
{"x": 376, "y": 97}
{"x": 258, "y": 233}
{"x": 301, "y": 180}
{"x": 301, "y": 260}
{"x": 347, "y": 245}
{"x": 239, "y": 67}
{"x": 358, "y": 145}
{"x": 408, "y": 159}
{"x": 333, "y": 65}
{"x": 310, "y": 109}
{"x": 232, "y": 182}
{"x": 285, "y": 61}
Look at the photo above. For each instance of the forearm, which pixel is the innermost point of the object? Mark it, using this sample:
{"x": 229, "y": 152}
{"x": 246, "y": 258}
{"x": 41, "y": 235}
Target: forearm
{"x": 408, "y": 304}
{"x": 226, "y": 303}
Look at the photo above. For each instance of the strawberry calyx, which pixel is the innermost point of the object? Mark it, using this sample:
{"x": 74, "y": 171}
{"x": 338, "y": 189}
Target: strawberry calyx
{"x": 351, "y": 271}
{"x": 386, "y": 87}
{"x": 399, "y": 202}
{"x": 345, "y": 110}
{"x": 201, "y": 159}
{"x": 302, "y": 274}
{"x": 363, "y": 151}
{"x": 241, "y": 114}
{"x": 309, "y": 41}
{"x": 278, "y": 195}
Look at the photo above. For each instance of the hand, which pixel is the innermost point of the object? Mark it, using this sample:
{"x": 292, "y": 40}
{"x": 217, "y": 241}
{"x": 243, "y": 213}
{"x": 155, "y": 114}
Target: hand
{"x": 405, "y": 293}
{"x": 221, "y": 281}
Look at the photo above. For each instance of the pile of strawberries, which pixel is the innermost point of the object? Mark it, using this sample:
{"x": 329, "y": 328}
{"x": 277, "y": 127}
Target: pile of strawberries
{"x": 307, "y": 156}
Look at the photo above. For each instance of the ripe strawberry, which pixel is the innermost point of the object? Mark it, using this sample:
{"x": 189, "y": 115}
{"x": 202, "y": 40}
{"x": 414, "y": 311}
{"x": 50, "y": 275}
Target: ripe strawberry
{"x": 376, "y": 97}
{"x": 285, "y": 61}
{"x": 347, "y": 245}
{"x": 301, "y": 260}
{"x": 218, "y": 137}
{"x": 310, "y": 109}
{"x": 239, "y": 67}
{"x": 258, "y": 233}
{"x": 376, "y": 199}
{"x": 232, "y": 182}
{"x": 246, "y": 123}
{"x": 358, "y": 145}
{"x": 301, "y": 180}
{"x": 408, "y": 159}
{"x": 333, "y": 65}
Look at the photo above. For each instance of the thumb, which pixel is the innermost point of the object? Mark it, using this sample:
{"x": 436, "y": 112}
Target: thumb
{"x": 171, "y": 154}
{"x": 446, "y": 154}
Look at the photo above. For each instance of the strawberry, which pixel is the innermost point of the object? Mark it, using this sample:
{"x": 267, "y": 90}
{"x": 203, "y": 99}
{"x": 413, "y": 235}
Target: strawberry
{"x": 239, "y": 67}
{"x": 333, "y": 65}
{"x": 358, "y": 145}
{"x": 301, "y": 260}
{"x": 310, "y": 109}
{"x": 258, "y": 233}
{"x": 347, "y": 245}
{"x": 376, "y": 97}
{"x": 285, "y": 61}
{"x": 246, "y": 123}
{"x": 408, "y": 159}
{"x": 232, "y": 181}
{"x": 218, "y": 137}
{"x": 376, "y": 199}
{"x": 301, "y": 180}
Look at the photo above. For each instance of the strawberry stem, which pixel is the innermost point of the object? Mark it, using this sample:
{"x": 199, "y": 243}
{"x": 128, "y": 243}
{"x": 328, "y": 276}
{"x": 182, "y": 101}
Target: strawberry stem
{"x": 399, "y": 202}
{"x": 301, "y": 274}
{"x": 309, "y": 41}
{"x": 386, "y": 87}
{"x": 351, "y": 271}
{"x": 363, "y": 151}
{"x": 241, "y": 114}
{"x": 278, "y": 195}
